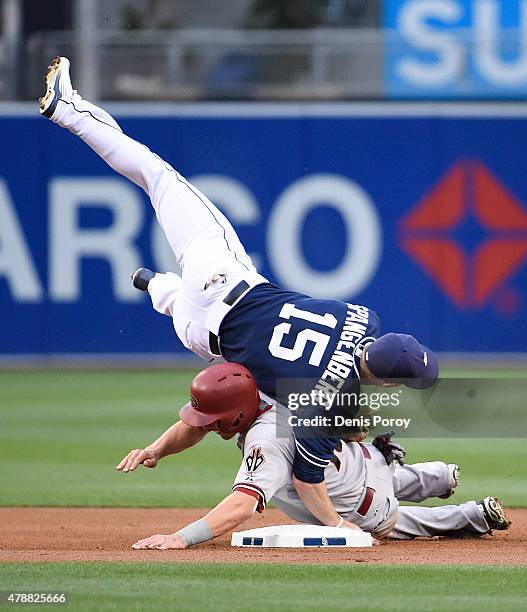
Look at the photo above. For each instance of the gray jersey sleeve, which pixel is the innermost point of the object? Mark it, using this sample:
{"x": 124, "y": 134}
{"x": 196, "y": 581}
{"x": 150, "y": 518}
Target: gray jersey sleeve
{"x": 265, "y": 469}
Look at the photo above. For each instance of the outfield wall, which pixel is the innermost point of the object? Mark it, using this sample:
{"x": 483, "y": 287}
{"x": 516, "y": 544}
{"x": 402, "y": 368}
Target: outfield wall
{"x": 420, "y": 212}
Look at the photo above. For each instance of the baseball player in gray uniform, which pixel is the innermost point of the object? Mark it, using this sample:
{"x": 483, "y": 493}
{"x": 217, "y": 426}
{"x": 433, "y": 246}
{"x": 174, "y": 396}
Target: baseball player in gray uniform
{"x": 364, "y": 487}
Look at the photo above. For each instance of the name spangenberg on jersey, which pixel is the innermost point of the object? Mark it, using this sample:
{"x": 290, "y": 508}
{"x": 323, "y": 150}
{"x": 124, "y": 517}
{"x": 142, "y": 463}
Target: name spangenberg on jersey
{"x": 343, "y": 362}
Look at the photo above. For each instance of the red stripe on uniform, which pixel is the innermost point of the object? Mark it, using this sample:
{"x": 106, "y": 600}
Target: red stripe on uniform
{"x": 365, "y": 451}
{"x": 258, "y": 496}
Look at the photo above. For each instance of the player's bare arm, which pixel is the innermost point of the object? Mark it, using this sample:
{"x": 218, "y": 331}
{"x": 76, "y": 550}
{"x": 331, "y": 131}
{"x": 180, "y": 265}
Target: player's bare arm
{"x": 175, "y": 439}
{"x": 228, "y": 514}
{"x": 315, "y": 498}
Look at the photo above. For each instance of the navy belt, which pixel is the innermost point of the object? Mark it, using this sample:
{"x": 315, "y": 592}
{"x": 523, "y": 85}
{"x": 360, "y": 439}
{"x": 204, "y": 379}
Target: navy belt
{"x": 214, "y": 344}
{"x": 230, "y": 299}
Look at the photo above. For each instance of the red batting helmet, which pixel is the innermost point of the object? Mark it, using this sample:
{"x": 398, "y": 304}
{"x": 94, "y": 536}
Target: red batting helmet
{"x": 223, "y": 398}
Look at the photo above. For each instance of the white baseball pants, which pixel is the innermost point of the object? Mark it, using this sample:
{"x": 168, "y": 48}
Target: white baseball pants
{"x": 420, "y": 481}
{"x": 205, "y": 244}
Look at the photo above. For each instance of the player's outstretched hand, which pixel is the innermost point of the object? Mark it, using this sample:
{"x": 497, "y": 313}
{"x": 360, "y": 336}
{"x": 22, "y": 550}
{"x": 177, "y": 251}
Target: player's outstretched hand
{"x": 136, "y": 457}
{"x": 350, "y": 525}
{"x": 161, "y": 542}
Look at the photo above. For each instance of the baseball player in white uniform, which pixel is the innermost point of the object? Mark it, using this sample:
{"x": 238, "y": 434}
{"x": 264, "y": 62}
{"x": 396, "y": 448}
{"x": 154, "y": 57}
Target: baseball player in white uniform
{"x": 363, "y": 487}
{"x": 206, "y": 246}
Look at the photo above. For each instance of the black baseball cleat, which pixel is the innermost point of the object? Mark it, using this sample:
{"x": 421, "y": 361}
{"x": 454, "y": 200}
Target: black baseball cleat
{"x": 141, "y": 278}
{"x": 494, "y": 513}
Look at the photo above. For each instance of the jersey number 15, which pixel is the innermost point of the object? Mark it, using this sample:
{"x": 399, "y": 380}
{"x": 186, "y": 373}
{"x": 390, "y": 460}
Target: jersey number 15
{"x": 320, "y": 340}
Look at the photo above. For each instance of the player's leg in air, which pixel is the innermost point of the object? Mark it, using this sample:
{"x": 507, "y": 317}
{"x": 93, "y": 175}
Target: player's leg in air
{"x": 205, "y": 244}
{"x": 432, "y": 479}
{"x": 415, "y": 482}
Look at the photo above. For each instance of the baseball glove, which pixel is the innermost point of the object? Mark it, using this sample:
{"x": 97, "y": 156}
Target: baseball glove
{"x": 390, "y": 449}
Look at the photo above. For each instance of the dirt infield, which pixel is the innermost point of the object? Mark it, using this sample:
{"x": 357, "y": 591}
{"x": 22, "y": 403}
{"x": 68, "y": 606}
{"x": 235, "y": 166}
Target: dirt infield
{"x": 106, "y": 534}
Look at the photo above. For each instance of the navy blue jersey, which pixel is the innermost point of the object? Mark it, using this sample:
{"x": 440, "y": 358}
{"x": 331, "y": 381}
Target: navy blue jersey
{"x": 304, "y": 343}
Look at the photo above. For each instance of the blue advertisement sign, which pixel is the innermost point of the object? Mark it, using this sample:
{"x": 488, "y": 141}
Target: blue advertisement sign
{"x": 423, "y": 219}
{"x": 455, "y": 48}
